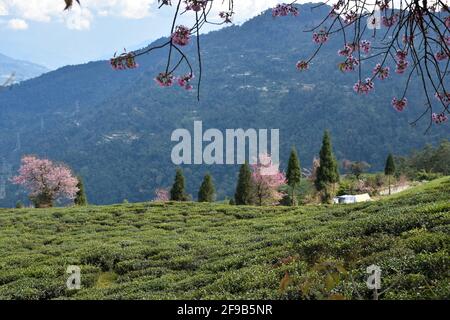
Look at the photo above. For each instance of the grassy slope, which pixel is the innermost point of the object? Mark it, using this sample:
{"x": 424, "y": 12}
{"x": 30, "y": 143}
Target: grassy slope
{"x": 157, "y": 251}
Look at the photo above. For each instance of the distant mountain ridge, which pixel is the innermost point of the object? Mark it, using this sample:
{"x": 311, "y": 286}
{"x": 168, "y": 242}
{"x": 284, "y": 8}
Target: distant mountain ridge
{"x": 23, "y": 70}
{"x": 114, "y": 128}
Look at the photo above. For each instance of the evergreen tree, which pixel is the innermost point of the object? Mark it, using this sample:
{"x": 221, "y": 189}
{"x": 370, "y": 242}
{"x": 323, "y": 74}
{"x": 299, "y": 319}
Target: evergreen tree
{"x": 293, "y": 174}
{"x": 80, "y": 198}
{"x": 243, "y": 195}
{"x": 389, "y": 169}
{"x": 207, "y": 191}
{"x": 327, "y": 173}
{"x": 177, "y": 192}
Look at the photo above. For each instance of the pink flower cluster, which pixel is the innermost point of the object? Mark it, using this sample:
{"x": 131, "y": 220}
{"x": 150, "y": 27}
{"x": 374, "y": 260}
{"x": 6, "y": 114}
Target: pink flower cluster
{"x": 347, "y": 51}
{"x": 349, "y": 64}
{"x": 226, "y": 16}
{"x": 399, "y": 105}
{"x": 380, "y": 72}
{"x": 447, "y": 22}
{"x": 165, "y": 79}
{"x": 302, "y": 65}
{"x": 196, "y": 5}
{"x": 444, "y": 98}
{"x": 350, "y": 17}
{"x": 168, "y": 79}
{"x": 43, "y": 177}
{"x": 181, "y": 36}
{"x": 320, "y": 37}
{"x": 389, "y": 22}
{"x": 364, "y": 87}
{"x": 184, "y": 81}
{"x": 267, "y": 179}
{"x": 402, "y": 64}
{"x": 439, "y": 118}
{"x": 283, "y": 9}
{"x": 383, "y": 4}
{"x": 365, "y": 46}
{"x": 441, "y": 56}
{"x": 124, "y": 61}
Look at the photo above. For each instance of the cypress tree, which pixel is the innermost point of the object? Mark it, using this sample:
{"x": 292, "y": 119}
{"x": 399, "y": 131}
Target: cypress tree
{"x": 207, "y": 191}
{"x": 80, "y": 198}
{"x": 327, "y": 173}
{"x": 293, "y": 174}
{"x": 243, "y": 195}
{"x": 389, "y": 169}
{"x": 177, "y": 192}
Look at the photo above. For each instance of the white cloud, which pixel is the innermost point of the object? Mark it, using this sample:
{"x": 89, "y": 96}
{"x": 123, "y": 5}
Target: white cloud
{"x": 3, "y": 9}
{"x": 17, "y": 24}
{"x": 79, "y": 19}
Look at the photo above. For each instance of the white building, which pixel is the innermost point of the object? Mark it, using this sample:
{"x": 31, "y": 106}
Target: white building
{"x": 352, "y": 198}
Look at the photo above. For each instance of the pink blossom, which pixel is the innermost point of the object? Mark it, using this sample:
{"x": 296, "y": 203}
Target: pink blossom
{"x": 383, "y": 4}
{"x": 349, "y": 64}
{"x": 181, "y": 36}
{"x": 124, "y": 61}
{"x": 283, "y": 9}
{"x": 364, "y": 87}
{"x": 444, "y": 98}
{"x": 302, "y": 65}
{"x": 399, "y": 105}
{"x": 44, "y": 178}
{"x": 184, "y": 81}
{"x": 226, "y": 16}
{"x": 447, "y": 22}
{"x": 389, "y": 22}
{"x": 401, "y": 66}
{"x": 196, "y": 5}
{"x": 440, "y": 56}
{"x": 347, "y": 51}
{"x": 380, "y": 72}
{"x": 320, "y": 37}
{"x": 365, "y": 46}
{"x": 164, "y": 79}
{"x": 162, "y": 195}
{"x": 267, "y": 179}
{"x": 439, "y": 118}
{"x": 350, "y": 17}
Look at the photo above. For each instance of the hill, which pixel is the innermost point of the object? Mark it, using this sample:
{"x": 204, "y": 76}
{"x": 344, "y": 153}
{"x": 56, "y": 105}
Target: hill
{"x": 23, "y": 70}
{"x": 114, "y": 128}
{"x": 213, "y": 251}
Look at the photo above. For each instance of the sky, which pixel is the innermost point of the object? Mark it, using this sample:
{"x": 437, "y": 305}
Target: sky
{"x": 40, "y": 31}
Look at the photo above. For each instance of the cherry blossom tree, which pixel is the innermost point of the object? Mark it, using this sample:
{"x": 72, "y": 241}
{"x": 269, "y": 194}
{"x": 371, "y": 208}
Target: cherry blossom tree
{"x": 162, "y": 195}
{"x": 46, "y": 181}
{"x": 414, "y": 36}
{"x": 267, "y": 179}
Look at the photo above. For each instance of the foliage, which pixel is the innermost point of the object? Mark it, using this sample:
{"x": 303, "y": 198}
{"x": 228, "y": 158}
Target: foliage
{"x": 80, "y": 198}
{"x": 293, "y": 174}
{"x": 266, "y": 181}
{"x": 207, "y": 190}
{"x": 46, "y": 181}
{"x": 244, "y": 188}
{"x": 327, "y": 173}
{"x": 216, "y": 251}
{"x": 389, "y": 169}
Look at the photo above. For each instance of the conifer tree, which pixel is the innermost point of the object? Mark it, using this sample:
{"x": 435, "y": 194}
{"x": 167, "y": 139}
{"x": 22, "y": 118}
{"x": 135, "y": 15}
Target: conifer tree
{"x": 243, "y": 195}
{"x": 327, "y": 173}
{"x": 207, "y": 191}
{"x": 177, "y": 193}
{"x": 293, "y": 174}
{"x": 389, "y": 169}
{"x": 80, "y": 198}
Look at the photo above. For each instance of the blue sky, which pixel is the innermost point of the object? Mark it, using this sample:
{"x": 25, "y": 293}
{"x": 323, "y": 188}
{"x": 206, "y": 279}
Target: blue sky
{"x": 40, "y": 31}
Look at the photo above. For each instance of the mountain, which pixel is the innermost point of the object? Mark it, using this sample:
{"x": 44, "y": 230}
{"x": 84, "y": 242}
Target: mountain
{"x": 23, "y": 70}
{"x": 114, "y": 128}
